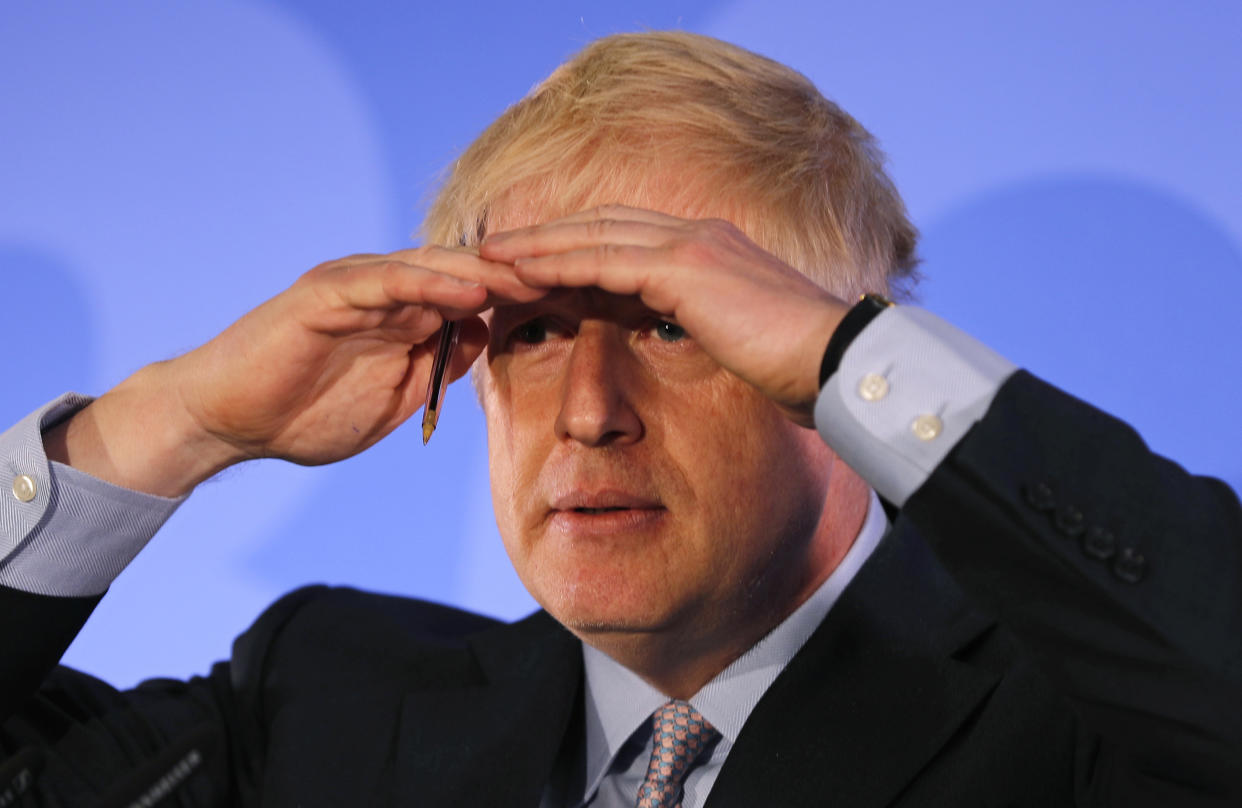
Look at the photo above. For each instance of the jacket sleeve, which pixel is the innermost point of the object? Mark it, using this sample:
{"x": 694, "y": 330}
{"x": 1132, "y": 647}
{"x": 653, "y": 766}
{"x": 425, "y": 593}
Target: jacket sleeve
{"x": 1119, "y": 571}
{"x": 70, "y": 739}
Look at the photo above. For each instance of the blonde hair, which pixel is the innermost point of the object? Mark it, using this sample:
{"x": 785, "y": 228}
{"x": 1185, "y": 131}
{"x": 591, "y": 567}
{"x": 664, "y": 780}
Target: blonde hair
{"x": 698, "y": 127}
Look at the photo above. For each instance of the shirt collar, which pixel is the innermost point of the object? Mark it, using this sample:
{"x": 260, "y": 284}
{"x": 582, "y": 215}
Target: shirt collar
{"x": 618, "y": 701}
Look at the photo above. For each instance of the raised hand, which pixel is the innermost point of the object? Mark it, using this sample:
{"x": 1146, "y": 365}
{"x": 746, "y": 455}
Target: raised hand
{"x": 754, "y": 314}
{"x": 314, "y": 375}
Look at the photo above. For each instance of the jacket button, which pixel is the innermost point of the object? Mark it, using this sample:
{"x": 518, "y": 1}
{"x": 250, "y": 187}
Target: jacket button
{"x": 1039, "y": 496}
{"x": 1070, "y": 521}
{"x": 1099, "y": 543}
{"x": 1130, "y": 566}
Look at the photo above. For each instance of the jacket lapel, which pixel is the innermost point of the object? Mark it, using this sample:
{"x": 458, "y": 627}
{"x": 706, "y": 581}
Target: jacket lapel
{"x": 494, "y": 741}
{"x": 871, "y": 697}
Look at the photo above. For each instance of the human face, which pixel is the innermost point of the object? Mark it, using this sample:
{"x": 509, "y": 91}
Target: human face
{"x": 641, "y": 490}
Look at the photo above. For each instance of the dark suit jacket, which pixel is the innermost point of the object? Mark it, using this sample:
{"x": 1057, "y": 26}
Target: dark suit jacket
{"x": 1083, "y": 648}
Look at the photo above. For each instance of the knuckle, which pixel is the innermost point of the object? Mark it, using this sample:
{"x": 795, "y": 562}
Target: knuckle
{"x": 694, "y": 251}
{"x": 357, "y": 258}
{"x": 608, "y": 251}
{"x": 334, "y": 266}
{"x": 719, "y": 227}
{"x": 391, "y": 267}
{"x": 315, "y": 273}
{"x": 394, "y": 275}
{"x": 597, "y": 229}
{"x": 417, "y": 256}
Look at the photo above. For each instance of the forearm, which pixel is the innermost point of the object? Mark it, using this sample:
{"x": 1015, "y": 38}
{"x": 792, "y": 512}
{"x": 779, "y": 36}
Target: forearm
{"x": 1120, "y": 572}
{"x": 35, "y": 630}
{"x": 1080, "y": 485}
{"x": 1050, "y": 510}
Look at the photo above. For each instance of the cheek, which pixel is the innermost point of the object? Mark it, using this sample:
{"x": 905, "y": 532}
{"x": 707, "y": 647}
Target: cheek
{"x": 500, "y": 454}
{"x": 753, "y": 470}
{"x": 515, "y": 453}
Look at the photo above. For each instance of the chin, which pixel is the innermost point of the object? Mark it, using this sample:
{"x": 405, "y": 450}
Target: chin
{"x": 608, "y": 612}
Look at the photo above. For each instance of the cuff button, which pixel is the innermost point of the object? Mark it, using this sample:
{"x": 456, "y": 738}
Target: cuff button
{"x": 24, "y": 487}
{"x": 873, "y": 387}
{"x": 926, "y": 427}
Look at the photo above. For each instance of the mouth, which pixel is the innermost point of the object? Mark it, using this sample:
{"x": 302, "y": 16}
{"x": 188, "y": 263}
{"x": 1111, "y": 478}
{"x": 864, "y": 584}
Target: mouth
{"x": 605, "y": 511}
{"x": 603, "y": 501}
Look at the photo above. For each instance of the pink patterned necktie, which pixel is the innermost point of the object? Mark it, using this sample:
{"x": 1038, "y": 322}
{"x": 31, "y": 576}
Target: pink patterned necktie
{"x": 680, "y": 735}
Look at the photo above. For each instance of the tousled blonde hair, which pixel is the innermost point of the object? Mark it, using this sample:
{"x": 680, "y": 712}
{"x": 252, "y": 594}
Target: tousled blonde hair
{"x": 698, "y": 127}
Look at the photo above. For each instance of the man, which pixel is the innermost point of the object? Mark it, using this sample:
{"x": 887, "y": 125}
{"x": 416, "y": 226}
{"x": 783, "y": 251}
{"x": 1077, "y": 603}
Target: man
{"x": 650, "y": 258}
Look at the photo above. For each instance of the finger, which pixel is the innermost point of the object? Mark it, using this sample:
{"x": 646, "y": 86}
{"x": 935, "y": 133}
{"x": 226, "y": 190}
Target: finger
{"x": 390, "y": 284}
{"x": 617, "y": 268}
{"x": 562, "y": 236}
{"x": 498, "y": 278}
{"x": 471, "y": 340}
{"x": 621, "y": 213}
{"x": 465, "y": 263}
{"x": 409, "y": 323}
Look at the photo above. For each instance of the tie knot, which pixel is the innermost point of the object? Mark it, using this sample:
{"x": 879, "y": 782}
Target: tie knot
{"x": 680, "y": 733}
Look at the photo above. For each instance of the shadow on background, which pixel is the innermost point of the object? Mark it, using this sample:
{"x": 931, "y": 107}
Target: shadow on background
{"x": 49, "y": 330}
{"x": 1120, "y": 293}
{"x": 436, "y": 74}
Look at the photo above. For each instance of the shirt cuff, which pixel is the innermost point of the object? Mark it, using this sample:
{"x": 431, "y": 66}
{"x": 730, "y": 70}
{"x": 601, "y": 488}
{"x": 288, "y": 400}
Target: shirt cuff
{"x": 909, "y": 387}
{"x": 62, "y": 531}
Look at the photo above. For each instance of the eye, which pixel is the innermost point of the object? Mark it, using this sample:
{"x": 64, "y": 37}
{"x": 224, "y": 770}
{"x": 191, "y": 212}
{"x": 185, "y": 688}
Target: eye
{"x": 669, "y": 332}
{"x": 531, "y": 333}
{"x": 536, "y": 331}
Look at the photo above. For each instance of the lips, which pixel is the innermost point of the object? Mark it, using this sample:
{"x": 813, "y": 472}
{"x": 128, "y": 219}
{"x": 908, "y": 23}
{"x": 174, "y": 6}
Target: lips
{"x": 607, "y": 512}
{"x": 605, "y": 501}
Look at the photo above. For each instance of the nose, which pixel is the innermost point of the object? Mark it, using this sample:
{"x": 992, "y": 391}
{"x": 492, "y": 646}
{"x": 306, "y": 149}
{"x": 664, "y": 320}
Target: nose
{"x": 596, "y": 392}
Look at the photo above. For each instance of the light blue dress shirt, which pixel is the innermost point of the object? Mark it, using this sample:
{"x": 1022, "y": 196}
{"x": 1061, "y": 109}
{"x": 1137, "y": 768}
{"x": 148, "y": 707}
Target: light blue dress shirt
{"x": 618, "y": 703}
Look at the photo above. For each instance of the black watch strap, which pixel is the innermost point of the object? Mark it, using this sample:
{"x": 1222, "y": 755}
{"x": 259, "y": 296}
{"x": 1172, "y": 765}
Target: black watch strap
{"x": 851, "y": 325}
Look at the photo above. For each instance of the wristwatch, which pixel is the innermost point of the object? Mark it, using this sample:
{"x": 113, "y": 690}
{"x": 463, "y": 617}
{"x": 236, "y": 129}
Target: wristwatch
{"x": 851, "y": 325}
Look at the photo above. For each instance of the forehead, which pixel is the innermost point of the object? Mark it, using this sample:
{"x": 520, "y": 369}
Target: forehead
{"x": 678, "y": 191}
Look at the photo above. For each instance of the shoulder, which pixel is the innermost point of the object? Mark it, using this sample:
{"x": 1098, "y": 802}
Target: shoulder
{"x": 326, "y": 608}
{"x": 337, "y": 632}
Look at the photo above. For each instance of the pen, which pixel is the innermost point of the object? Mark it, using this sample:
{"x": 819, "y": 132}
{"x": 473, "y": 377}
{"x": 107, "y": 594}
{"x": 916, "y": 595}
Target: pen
{"x": 436, "y": 385}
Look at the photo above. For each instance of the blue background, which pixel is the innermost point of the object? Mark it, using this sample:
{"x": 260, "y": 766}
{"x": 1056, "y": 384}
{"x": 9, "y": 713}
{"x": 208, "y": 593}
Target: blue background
{"x": 1074, "y": 168}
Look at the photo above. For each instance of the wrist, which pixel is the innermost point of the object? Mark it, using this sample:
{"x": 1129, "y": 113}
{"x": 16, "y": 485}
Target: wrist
{"x": 868, "y": 307}
{"x": 816, "y": 324}
{"x": 140, "y": 436}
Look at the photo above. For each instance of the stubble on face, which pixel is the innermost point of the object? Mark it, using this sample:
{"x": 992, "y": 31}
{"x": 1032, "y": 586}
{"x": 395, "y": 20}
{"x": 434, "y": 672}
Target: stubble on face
{"x": 724, "y": 529}
{"x": 735, "y": 493}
